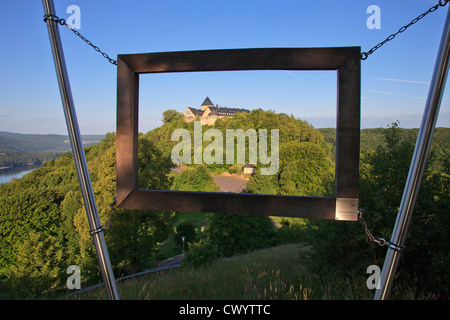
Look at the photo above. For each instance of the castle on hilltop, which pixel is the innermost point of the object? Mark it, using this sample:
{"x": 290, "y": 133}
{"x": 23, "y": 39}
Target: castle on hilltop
{"x": 208, "y": 113}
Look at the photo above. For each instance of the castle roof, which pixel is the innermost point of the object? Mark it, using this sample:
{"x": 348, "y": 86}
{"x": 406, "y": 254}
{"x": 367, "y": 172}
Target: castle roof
{"x": 224, "y": 111}
{"x": 207, "y": 102}
{"x": 197, "y": 112}
{"x": 216, "y": 110}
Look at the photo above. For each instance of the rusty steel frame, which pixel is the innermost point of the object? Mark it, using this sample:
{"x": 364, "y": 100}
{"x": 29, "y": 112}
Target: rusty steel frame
{"x": 345, "y": 60}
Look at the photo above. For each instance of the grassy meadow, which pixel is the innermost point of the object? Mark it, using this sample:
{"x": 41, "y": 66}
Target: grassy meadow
{"x": 268, "y": 274}
{"x": 276, "y": 273}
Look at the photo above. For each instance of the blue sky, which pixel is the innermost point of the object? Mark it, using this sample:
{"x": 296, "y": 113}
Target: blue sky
{"x": 394, "y": 86}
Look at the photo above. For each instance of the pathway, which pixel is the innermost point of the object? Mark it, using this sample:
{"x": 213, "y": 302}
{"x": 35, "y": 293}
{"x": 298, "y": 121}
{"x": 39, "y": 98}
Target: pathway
{"x": 230, "y": 184}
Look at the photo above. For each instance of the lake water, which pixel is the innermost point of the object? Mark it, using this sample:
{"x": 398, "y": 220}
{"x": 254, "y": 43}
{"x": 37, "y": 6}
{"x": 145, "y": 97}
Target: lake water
{"x": 9, "y": 174}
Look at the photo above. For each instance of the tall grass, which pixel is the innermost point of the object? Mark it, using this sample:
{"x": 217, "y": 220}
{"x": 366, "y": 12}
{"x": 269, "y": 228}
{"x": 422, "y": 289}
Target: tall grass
{"x": 274, "y": 273}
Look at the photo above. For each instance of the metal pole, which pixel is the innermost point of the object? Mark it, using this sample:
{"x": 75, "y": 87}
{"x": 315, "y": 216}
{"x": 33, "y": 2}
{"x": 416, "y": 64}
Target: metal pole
{"x": 417, "y": 164}
{"x": 78, "y": 154}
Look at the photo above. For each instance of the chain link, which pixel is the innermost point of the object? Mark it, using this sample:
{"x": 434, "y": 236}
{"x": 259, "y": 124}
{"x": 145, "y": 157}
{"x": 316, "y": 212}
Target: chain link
{"x": 365, "y": 55}
{"x": 64, "y": 23}
{"x": 380, "y": 241}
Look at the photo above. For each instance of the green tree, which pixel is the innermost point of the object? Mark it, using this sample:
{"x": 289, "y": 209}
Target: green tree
{"x": 171, "y": 115}
{"x": 263, "y": 184}
{"x": 134, "y": 233}
{"x": 305, "y": 170}
{"x": 188, "y": 231}
{"x": 40, "y": 259}
{"x": 234, "y": 234}
{"x": 24, "y": 211}
{"x": 344, "y": 246}
{"x": 195, "y": 179}
{"x": 153, "y": 166}
{"x": 70, "y": 206}
{"x": 202, "y": 252}
{"x": 44, "y": 212}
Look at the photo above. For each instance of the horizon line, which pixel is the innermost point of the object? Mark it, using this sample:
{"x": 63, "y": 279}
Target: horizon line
{"x": 103, "y": 134}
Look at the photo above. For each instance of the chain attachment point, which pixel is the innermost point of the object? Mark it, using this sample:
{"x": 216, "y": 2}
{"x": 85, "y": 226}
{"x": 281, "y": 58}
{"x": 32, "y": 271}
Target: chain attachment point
{"x": 380, "y": 241}
{"x": 107, "y": 224}
{"x": 395, "y": 247}
{"x": 365, "y": 55}
{"x": 63, "y": 23}
{"x": 95, "y": 231}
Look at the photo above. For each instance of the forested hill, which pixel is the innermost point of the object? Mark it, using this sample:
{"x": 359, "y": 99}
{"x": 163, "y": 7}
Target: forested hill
{"x": 371, "y": 139}
{"x": 19, "y": 150}
{"x": 41, "y": 142}
{"x": 44, "y": 227}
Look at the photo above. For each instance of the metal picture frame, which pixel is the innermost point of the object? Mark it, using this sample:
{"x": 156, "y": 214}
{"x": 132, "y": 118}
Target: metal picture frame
{"x": 345, "y": 60}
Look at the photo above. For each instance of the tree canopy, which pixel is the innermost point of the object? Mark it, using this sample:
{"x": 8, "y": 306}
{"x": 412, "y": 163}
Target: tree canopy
{"x": 44, "y": 228}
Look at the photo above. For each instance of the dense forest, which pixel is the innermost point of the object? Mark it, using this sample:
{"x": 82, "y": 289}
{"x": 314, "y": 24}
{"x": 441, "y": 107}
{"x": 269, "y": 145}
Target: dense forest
{"x": 20, "y": 159}
{"x": 373, "y": 138}
{"x": 44, "y": 229}
{"x": 23, "y": 150}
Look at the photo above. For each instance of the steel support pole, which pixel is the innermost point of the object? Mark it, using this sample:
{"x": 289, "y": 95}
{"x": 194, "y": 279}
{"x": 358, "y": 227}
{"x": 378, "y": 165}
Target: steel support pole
{"x": 417, "y": 167}
{"x": 78, "y": 154}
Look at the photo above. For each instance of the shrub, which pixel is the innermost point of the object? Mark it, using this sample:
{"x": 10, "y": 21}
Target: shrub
{"x": 196, "y": 178}
{"x": 344, "y": 246}
{"x": 201, "y": 253}
{"x": 186, "y": 229}
{"x": 235, "y": 234}
{"x": 293, "y": 230}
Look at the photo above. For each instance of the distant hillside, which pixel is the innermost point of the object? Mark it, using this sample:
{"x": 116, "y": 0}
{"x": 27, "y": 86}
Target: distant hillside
{"x": 372, "y": 138}
{"x": 23, "y": 150}
{"x": 41, "y": 142}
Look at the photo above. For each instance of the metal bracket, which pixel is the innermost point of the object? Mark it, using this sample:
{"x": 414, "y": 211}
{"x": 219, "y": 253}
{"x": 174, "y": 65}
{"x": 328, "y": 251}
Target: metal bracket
{"x": 347, "y": 209}
{"x": 98, "y": 230}
{"x": 395, "y": 247}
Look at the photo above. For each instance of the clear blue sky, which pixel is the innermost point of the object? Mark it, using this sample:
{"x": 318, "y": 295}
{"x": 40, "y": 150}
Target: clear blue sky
{"x": 395, "y": 79}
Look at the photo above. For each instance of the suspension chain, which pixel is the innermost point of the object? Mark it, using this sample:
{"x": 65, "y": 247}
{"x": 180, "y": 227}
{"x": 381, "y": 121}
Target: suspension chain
{"x": 380, "y": 241}
{"x": 64, "y": 23}
{"x": 365, "y": 55}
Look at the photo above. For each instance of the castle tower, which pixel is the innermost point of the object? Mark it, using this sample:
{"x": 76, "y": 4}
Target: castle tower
{"x": 206, "y": 103}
